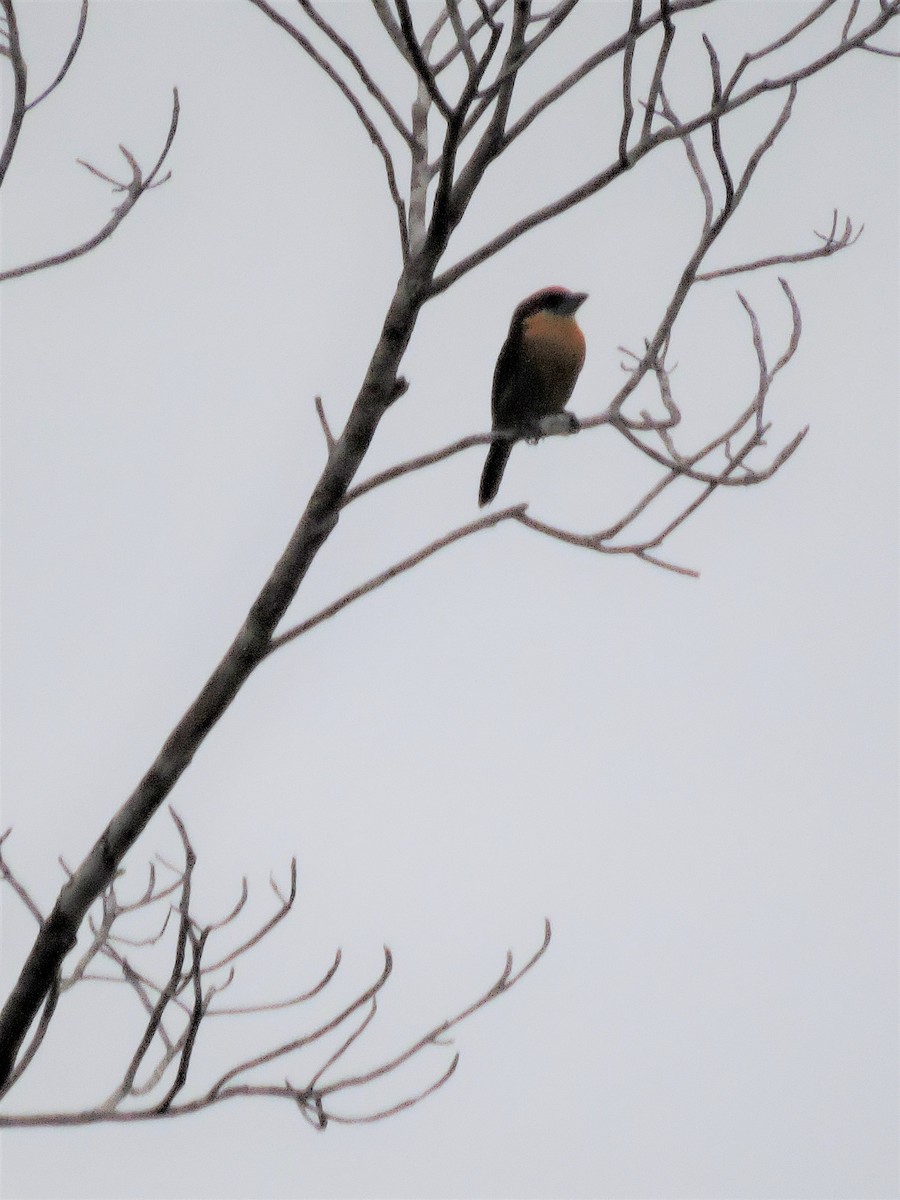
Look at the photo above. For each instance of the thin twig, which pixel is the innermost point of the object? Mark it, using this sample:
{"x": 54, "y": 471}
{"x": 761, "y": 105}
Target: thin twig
{"x": 69, "y": 59}
{"x": 359, "y": 67}
{"x": 634, "y": 27}
{"x": 880, "y": 50}
{"x": 851, "y": 16}
{"x": 462, "y": 38}
{"x": 34, "y": 1045}
{"x": 298, "y": 1043}
{"x": 277, "y": 1004}
{"x": 20, "y": 83}
{"x": 190, "y": 1034}
{"x": 344, "y": 1046}
{"x": 715, "y": 124}
{"x": 416, "y": 464}
{"x": 287, "y": 903}
{"x": 234, "y": 912}
{"x": 175, "y": 976}
{"x": 657, "y": 82}
{"x": 602, "y": 179}
{"x": 392, "y": 572}
{"x": 135, "y": 188}
{"x": 323, "y": 421}
{"x": 19, "y": 888}
{"x": 502, "y": 984}
{"x": 485, "y": 19}
{"x": 365, "y": 120}
{"x": 830, "y": 246}
{"x": 402, "y": 1105}
{"x": 694, "y": 162}
{"x": 423, "y": 70}
{"x": 779, "y": 43}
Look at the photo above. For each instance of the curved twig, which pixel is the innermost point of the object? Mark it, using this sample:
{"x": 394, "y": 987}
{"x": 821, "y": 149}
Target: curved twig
{"x": 134, "y": 189}
{"x": 398, "y": 568}
{"x": 831, "y": 245}
{"x": 287, "y": 903}
{"x": 423, "y": 70}
{"x": 20, "y": 82}
{"x": 69, "y": 59}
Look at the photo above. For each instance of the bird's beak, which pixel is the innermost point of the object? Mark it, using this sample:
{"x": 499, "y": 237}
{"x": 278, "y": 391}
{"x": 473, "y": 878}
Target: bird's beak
{"x": 575, "y": 302}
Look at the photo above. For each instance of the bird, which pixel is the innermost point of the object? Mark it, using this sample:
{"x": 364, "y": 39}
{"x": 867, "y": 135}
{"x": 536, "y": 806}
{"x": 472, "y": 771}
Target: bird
{"x": 534, "y": 376}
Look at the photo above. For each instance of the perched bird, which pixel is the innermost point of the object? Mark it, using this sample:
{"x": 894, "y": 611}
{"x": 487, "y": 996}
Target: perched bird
{"x": 535, "y": 374}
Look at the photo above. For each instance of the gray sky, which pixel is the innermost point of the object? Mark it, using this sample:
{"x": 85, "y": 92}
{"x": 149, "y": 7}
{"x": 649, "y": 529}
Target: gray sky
{"x": 695, "y": 780}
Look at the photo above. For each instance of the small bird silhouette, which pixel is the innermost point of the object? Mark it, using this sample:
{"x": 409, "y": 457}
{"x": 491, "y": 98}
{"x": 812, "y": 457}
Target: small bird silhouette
{"x": 534, "y": 376}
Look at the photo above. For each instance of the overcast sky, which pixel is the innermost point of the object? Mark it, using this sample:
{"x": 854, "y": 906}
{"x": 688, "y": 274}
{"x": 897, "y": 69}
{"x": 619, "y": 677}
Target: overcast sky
{"x": 694, "y": 779}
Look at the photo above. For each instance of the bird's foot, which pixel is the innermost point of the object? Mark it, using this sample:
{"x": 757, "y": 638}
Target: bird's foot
{"x": 560, "y": 424}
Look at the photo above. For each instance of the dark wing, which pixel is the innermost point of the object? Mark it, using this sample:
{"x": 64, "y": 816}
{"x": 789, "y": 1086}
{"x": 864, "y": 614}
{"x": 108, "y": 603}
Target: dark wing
{"x": 503, "y": 391}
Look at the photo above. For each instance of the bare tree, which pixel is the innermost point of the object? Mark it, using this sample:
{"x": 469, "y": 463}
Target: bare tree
{"x": 134, "y": 188}
{"x": 461, "y": 71}
{"x": 176, "y": 1005}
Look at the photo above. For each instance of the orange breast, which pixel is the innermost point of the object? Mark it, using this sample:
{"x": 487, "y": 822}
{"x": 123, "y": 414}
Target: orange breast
{"x": 554, "y": 347}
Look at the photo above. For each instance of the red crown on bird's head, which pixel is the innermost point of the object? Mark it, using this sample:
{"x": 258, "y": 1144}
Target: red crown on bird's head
{"x": 557, "y": 300}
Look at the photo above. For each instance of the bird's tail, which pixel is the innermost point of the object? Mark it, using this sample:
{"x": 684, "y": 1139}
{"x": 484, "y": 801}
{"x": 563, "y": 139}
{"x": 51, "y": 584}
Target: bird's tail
{"x": 494, "y": 466}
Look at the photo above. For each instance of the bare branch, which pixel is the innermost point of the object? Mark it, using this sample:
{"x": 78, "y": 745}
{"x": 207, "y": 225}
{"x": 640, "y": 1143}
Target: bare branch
{"x": 287, "y": 903}
{"x": 450, "y": 200}
{"x": 796, "y": 329}
{"x": 485, "y": 19}
{"x": 715, "y": 127}
{"x": 310, "y": 1099}
{"x": 396, "y": 1108}
{"x": 197, "y": 944}
{"x": 147, "y": 896}
{"x": 398, "y": 568}
{"x": 851, "y": 16}
{"x": 784, "y": 40}
{"x": 135, "y": 188}
{"x": 590, "y": 64}
{"x": 766, "y": 144}
{"x": 706, "y": 241}
{"x": 831, "y": 245}
{"x": 684, "y": 466}
{"x": 552, "y": 21}
{"x": 416, "y": 464}
{"x": 846, "y": 43}
{"x": 760, "y": 359}
{"x": 463, "y": 40}
{"x": 19, "y": 888}
{"x": 395, "y": 33}
{"x": 634, "y": 28}
{"x": 277, "y": 1004}
{"x": 504, "y": 983}
{"x": 693, "y": 160}
{"x": 306, "y": 1039}
{"x": 69, "y": 59}
{"x": 656, "y": 83}
{"x": 33, "y": 1046}
{"x": 590, "y": 187}
{"x": 172, "y": 986}
{"x": 427, "y": 42}
{"x": 101, "y": 935}
{"x": 344, "y": 1046}
{"x": 359, "y": 67}
{"x": 880, "y": 50}
{"x": 20, "y": 81}
{"x": 323, "y": 421}
{"x": 414, "y": 51}
{"x": 368, "y": 124}
{"x": 233, "y": 913}
{"x": 139, "y": 986}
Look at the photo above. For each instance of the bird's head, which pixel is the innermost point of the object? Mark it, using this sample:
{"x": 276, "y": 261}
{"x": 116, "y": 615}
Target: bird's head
{"x": 557, "y": 300}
